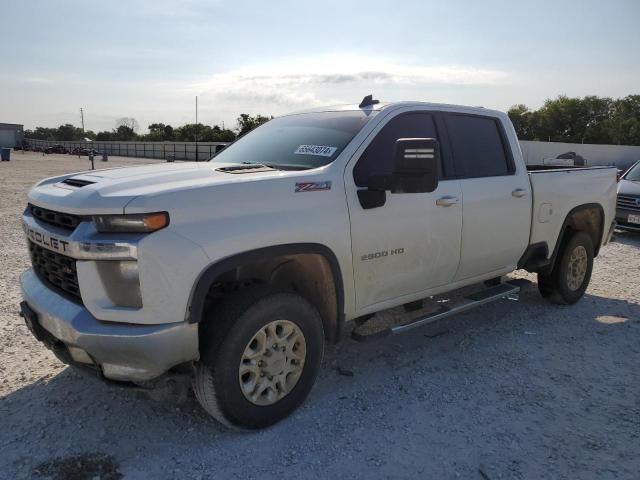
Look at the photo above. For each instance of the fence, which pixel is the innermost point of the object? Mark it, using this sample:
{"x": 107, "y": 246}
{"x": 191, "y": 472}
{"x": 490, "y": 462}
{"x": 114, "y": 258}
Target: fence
{"x": 534, "y": 152}
{"x": 622, "y": 156}
{"x": 160, "y": 150}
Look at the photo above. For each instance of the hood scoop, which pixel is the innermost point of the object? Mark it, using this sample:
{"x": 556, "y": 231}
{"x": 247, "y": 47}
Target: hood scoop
{"x": 252, "y": 168}
{"x": 77, "y": 182}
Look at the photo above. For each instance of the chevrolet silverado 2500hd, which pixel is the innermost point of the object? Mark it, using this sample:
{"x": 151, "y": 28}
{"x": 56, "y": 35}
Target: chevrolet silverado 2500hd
{"x": 241, "y": 268}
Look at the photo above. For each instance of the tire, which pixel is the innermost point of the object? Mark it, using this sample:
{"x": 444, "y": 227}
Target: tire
{"x": 571, "y": 274}
{"x": 239, "y": 327}
{"x": 546, "y": 285}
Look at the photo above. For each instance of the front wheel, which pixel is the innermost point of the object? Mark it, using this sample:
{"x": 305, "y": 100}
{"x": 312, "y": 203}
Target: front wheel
{"x": 571, "y": 274}
{"x": 260, "y": 359}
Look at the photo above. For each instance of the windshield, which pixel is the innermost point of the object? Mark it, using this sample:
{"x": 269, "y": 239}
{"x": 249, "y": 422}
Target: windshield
{"x": 633, "y": 175}
{"x": 303, "y": 141}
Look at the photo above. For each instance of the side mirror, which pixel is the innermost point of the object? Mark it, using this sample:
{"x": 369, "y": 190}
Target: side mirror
{"x": 417, "y": 163}
{"x": 416, "y": 170}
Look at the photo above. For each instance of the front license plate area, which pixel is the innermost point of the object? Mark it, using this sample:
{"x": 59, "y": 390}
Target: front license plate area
{"x": 633, "y": 219}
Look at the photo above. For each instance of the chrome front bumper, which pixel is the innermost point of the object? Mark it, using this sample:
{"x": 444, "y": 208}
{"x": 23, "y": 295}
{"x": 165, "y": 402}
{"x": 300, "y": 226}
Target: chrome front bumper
{"x": 123, "y": 352}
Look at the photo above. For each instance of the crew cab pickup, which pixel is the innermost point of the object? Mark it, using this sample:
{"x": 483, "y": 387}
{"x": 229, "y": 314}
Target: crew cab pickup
{"x": 240, "y": 269}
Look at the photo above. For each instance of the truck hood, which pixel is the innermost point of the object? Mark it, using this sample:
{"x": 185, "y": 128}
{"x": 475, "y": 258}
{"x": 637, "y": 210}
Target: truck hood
{"x": 626, "y": 187}
{"x": 109, "y": 190}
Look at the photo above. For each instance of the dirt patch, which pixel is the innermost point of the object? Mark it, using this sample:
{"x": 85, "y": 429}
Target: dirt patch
{"x": 88, "y": 466}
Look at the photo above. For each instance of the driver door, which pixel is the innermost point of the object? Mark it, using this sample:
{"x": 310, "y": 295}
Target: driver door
{"x": 412, "y": 242}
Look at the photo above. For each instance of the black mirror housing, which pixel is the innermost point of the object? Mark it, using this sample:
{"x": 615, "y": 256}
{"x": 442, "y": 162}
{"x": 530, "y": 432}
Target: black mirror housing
{"x": 417, "y": 165}
{"x": 416, "y": 170}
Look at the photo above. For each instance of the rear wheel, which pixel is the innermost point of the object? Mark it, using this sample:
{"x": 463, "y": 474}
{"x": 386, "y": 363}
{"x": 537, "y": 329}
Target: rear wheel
{"x": 571, "y": 274}
{"x": 260, "y": 359}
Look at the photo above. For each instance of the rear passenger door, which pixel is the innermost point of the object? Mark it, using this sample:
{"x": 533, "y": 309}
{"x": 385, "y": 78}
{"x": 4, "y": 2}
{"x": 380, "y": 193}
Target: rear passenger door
{"x": 496, "y": 196}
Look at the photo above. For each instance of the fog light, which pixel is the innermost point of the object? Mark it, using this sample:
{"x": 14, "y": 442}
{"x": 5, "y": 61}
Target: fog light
{"x": 121, "y": 282}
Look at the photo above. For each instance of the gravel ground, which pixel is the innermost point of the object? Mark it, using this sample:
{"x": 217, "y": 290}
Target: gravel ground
{"x": 515, "y": 389}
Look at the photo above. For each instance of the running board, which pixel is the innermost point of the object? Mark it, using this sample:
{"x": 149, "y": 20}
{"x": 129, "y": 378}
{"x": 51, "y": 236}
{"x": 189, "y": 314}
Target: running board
{"x": 468, "y": 302}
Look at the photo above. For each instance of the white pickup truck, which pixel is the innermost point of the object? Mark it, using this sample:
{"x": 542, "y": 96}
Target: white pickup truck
{"x": 239, "y": 269}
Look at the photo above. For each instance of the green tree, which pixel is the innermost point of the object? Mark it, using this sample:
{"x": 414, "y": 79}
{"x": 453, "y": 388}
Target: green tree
{"x": 68, "y": 132}
{"x": 124, "y": 133}
{"x": 223, "y": 134}
{"x": 41, "y": 133}
{"x": 159, "y": 132}
{"x": 624, "y": 123}
{"x": 589, "y": 119}
{"x": 522, "y": 119}
{"x": 246, "y": 122}
{"x": 105, "y": 136}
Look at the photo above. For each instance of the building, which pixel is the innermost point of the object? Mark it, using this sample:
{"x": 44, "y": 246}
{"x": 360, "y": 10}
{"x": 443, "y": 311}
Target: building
{"x": 11, "y": 135}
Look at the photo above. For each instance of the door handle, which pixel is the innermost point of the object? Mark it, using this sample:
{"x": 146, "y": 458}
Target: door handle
{"x": 519, "y": 192}
{"x": 446, "y": 201}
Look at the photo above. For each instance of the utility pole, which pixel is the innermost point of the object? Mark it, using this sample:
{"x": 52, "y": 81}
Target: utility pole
{"x": 82, "y": 118}
{"x": 196, "y": 128}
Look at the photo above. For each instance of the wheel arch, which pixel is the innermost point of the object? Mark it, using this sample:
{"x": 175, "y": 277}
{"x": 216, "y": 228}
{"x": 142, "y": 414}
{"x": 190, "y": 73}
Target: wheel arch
{"x": 275, "y": 262}
{"x": 588, "y": 218}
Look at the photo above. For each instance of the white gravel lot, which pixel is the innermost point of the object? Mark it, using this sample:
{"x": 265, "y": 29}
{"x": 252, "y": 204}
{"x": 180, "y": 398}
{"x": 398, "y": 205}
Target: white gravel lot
{"x": 513, "y": 390}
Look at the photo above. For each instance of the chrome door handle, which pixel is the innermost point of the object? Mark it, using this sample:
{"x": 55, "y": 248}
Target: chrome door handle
{"x": 519, "y": 192}
{"x": 446, "y": 201}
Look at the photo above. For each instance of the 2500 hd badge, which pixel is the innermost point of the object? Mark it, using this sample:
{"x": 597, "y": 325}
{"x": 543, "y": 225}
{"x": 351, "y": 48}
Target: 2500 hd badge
{"x": 45, "y": 240}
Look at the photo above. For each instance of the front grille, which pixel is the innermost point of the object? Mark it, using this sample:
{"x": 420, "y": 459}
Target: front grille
{"x": 628, "y": 202}
{"x": 61, "y": 220}
{"x": 58, "y": 271}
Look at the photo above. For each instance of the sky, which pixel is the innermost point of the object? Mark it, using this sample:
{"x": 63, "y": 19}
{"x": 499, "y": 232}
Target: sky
{"x": 149, "y": 59}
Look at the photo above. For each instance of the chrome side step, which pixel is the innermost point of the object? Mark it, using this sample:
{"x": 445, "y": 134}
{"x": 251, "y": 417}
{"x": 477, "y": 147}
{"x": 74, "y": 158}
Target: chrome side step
{"x": 468, "y": 302}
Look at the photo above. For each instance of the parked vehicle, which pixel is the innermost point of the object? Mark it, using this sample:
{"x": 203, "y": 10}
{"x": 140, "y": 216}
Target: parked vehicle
{"x": 242, "y": 268}
{"x": 566, "y": 159}
{"x": 57, "y": 148}
{"x": 83, "y": 151}
{"x": 628, "y": 204}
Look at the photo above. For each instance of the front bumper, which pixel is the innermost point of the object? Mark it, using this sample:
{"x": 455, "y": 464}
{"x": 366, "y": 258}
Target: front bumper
{"x": 622, "y": 216}
{"x": 122, "y": 352}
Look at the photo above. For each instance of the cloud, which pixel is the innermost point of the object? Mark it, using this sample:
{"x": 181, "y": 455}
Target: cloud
{"x": 315, "y": 81}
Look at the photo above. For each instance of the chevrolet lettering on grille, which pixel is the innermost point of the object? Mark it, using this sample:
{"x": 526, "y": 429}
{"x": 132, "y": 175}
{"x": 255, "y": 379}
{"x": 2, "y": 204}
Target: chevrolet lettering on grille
{"x": 46, "y": 240}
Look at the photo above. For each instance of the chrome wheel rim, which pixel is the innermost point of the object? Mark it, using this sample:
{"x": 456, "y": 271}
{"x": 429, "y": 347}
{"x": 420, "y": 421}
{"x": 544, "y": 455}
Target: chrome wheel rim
{"x": 577, "y": 268}
{"x": 272, "y": 362}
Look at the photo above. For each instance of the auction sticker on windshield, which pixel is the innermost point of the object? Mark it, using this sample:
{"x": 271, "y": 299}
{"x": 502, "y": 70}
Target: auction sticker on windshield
{"x": 320, "y": 150}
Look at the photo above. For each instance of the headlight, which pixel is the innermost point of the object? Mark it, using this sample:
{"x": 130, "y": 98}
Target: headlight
{"x": 134, "y": 223}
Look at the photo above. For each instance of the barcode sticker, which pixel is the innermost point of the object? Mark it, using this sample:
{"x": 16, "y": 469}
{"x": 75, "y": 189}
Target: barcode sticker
{"x": 320, "y": 150}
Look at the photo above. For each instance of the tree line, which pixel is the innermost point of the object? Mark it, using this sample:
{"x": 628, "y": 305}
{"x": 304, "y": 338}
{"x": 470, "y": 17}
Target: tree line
{"x": 589, "y": 119}
{"x": 126, "y": 130}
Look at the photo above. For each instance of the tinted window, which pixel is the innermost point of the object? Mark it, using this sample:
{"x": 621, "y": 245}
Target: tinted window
{"x": 307, "y": 140}
{"x": 379, "y": 155}
{"x": 478, "y": 148}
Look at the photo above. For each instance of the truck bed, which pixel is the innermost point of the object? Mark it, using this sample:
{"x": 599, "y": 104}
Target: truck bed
{"x": 557, "y": 191}
{"x": 541, "y": 168}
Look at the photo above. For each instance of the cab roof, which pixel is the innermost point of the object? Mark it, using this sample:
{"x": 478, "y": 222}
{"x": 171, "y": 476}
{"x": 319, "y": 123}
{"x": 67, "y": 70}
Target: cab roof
{"x": 393, "y": 105}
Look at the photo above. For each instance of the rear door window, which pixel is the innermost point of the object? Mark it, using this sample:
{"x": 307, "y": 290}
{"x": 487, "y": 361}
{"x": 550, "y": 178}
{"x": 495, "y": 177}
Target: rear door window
{"x": 478, "y": 145}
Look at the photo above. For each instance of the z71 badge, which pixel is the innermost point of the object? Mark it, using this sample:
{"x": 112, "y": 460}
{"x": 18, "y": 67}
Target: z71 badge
{"x": 312, "y": 186}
